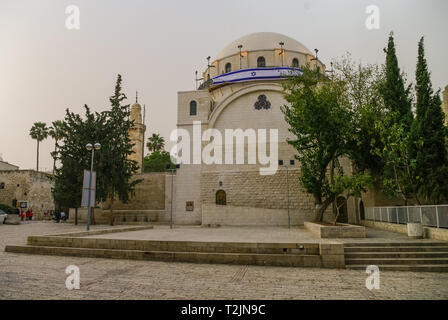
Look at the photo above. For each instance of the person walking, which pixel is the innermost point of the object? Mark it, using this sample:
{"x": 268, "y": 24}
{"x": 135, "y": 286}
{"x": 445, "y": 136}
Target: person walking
{"x": 22, "y": 215}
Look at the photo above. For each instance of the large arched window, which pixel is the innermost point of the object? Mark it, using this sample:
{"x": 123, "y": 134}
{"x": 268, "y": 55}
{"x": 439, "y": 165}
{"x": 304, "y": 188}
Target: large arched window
{"x": 261, "y": 62}
{"x": 295, "y": 63}
{"x": 228, "y": 67}
{"x": 193, "y": 108}
{"x": 221, "y": 198}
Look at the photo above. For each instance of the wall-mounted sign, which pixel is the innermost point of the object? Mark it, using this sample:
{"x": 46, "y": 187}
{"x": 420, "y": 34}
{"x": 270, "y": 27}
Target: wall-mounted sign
{"x": 190, "y": 206}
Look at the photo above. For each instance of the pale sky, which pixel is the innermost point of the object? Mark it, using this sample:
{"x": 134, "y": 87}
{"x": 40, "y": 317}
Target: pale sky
{"x": 157, "y": 46}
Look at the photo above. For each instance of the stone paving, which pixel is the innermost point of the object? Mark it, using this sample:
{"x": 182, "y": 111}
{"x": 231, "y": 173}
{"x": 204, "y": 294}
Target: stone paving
{"x": 43, "y": 277}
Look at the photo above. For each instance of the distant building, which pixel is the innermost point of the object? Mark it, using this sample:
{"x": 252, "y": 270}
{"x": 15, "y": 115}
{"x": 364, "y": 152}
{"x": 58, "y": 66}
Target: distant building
{"x": 7, "y": 166}
{"x": 27, "y": 189}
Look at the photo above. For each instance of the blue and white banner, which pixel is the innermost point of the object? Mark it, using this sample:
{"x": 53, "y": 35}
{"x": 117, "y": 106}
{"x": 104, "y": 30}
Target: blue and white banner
{"x": 257, "y": 74}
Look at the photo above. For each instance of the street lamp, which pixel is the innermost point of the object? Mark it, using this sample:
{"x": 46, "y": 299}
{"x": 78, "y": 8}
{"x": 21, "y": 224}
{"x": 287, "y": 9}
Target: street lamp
{"x": 280, "y": 163}
{"x": 172, "y": 169}
{"x": 239, "y": 47}
{"x": 281, "y": 46}
{"x": 92, "y": 148}
{"x": 315, "y": 50}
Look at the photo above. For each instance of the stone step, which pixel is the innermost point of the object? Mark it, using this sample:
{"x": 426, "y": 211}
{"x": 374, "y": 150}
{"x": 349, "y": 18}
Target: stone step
{"x": 395, "y": 261}
{"x": 397, "y": 249}
{"x": 401, "y": 267}
{"x": 396, "y": 244}
{"x": 175, "y": 246}
{"x": 284, "y": 260}
{"x": 378, "y": 255}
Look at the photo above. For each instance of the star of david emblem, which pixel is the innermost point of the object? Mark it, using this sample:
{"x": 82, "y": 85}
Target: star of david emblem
{"x": 253, "y": 73}
{"x": 262, "y": 103}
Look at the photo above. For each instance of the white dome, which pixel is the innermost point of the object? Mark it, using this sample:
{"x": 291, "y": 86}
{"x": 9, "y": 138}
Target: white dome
{"x": 262, "y": 41}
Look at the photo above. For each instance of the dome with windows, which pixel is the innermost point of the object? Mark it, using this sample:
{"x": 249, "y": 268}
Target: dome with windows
{"x": 262, "y": 41}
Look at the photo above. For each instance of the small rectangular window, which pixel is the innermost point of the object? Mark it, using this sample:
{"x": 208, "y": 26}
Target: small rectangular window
{"x": 291, "y": 162}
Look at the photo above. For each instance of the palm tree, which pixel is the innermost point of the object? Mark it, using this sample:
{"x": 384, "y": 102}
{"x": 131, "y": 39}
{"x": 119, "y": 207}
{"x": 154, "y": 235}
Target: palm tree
{"x": 56, "y": 132}
{"x": 155, "y": 142}
{"x": 39, "y": 132}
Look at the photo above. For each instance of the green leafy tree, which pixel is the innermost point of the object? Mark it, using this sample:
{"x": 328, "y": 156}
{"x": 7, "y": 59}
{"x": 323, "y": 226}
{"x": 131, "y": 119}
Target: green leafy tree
{"x": 155, "y": 143}
{"x": 74, "y": 158}
{"x": 39, "y": 132}
{"x": 399, "y": 177}
{"x": 115, "y": 169}
{"x": 431, "y": 154}
{"x": 157, "y": 161}
{"x": 56, "y": 132}
{"x": 362, "y": 86}
{"x": 393, "y": 92}
{"x": 320, "y": 117}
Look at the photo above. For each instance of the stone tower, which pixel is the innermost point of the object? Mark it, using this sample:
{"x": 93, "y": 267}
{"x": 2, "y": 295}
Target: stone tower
{"x": 445, "y": 104}
{"x": 137, "y": 133}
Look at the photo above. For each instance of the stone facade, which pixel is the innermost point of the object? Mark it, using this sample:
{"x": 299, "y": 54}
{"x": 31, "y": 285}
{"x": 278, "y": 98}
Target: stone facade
{"x": 252, "y": 197}
{"x": 28, "y": 186}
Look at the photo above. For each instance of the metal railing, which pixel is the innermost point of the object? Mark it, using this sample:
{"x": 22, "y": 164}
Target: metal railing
{"x": 430, "y": 215}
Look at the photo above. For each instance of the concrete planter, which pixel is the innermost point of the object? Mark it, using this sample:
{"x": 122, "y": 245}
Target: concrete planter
{"x": 339, "y": 231}
{"x": 415, "y": 230}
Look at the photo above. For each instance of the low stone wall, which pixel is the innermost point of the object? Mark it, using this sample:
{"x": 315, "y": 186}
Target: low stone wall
{"x": 101, "y": 217}
{"x": 248, "y": 216}
{"x": 345, "y": 231}
{"x": 428, "y": 233}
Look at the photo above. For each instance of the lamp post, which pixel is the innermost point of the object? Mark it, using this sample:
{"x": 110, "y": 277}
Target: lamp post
{"x": 280, "y": 163}
{"x": 89, "y": 147}
{"x": 170, "y": 168}
{"x": 315, "y": 50}
{"x": 281, "y": 46}
{"x": 239, "y": 47}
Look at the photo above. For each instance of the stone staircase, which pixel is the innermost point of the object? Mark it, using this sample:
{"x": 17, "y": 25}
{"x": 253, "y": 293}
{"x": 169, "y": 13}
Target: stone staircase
{"x": 398, "y": 256}
{"x": 251, "y": 253}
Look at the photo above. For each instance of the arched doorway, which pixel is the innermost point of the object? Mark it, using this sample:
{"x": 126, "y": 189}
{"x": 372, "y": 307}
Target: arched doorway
{"x": 221, "y": 198}
{"x": 341, "y": 206}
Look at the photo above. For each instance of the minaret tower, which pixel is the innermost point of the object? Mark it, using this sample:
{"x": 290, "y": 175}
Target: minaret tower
{"x": 137, "y": 132}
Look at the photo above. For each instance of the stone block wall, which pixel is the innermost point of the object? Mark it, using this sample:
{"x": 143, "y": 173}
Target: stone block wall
{"x": 149, "y": 194}
{"x": 254, "y": 199}
{"x": 27, "y": 186}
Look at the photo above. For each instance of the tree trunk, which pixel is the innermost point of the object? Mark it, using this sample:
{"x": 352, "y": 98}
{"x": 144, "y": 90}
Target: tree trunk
{"x": 54, "y": 156}
{"x": 321, "y": 207}
{"x": 37, "y": 159}
{"x": 76, "y": 216}
{"x": 111, "y": 216}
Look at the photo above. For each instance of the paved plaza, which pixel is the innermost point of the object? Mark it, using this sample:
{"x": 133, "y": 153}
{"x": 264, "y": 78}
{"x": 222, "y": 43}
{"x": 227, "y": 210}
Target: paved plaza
{"x": 43, "y": 277}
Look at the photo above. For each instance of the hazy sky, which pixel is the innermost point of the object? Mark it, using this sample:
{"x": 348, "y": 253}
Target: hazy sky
{"x": 157, "y": 45}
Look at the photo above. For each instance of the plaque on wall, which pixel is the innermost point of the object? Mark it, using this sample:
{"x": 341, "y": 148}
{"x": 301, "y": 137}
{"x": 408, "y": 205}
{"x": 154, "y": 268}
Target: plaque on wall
{"x": 190, "y": 206}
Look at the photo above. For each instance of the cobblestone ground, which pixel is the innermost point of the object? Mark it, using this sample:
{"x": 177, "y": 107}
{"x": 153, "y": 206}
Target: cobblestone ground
{"x": 43, "y": 277}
